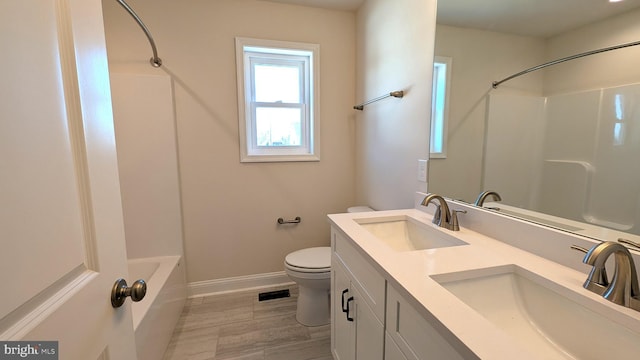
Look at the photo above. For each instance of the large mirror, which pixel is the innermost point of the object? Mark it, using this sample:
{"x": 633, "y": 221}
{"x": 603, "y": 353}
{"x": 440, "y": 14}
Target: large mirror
{"x": 561, "y": 145}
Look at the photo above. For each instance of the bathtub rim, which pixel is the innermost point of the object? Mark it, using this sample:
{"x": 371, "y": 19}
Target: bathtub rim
{"x": 166, "y": 264}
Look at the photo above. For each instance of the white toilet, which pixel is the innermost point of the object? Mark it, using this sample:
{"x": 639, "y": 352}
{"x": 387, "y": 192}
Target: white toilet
{"x": 311, "y": 270}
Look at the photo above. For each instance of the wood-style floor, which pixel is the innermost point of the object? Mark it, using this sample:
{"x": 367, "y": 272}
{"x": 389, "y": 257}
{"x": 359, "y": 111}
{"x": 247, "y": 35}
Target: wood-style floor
{"x": 239, "y": 327}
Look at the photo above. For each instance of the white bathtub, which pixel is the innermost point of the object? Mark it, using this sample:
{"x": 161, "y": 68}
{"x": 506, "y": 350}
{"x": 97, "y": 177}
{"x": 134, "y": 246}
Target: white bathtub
{"x": 155, "y": 317}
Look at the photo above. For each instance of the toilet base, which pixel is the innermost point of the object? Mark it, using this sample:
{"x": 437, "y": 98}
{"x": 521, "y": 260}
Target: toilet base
{"x": 313, "y": 307}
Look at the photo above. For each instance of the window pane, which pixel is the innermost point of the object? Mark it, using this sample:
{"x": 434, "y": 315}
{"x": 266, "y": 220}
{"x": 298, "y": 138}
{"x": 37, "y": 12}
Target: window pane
{"x": 278, "y": 126}
{"x": 437, "y": 119}
{"x": 275, "y": 83}
{"x": 441, "y": 68}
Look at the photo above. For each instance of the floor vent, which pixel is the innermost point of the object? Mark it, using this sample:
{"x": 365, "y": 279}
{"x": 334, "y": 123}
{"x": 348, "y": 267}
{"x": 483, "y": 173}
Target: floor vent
{"x": 270, "y": 295}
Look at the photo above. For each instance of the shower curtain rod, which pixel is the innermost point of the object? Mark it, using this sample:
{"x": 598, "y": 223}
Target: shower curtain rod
{"x": 558, "y": 61}
{"x": 155, "y": 60}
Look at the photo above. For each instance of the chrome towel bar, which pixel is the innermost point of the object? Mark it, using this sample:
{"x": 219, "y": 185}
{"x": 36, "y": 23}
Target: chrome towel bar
{"x": 395, "y": 94}
{"x": 282, "y": 221}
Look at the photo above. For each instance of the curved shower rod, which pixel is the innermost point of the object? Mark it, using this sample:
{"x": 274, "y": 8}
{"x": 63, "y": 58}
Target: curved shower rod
{"x": 558, "y": 61}
{"x": 155, "y": 60}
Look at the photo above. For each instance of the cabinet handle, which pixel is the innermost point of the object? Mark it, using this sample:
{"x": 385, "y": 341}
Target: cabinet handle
{"x": 344, "y": 309}
{"x": 348, "y": 301}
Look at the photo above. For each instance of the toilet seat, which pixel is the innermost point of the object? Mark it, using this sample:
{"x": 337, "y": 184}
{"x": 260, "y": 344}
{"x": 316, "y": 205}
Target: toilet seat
{"x": 311, "y": 260}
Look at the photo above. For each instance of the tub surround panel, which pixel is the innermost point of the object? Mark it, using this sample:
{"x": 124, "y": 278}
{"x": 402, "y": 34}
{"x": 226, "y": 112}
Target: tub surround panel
{"x": 155, "y": 316}
{"x": 147, "y": 160}
{"x": 513, "y": 145}
{"x": 564, "y": 166}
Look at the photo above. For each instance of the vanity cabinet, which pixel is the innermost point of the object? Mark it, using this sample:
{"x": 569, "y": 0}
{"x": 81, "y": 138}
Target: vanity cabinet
{"x": 370, "y": 320}
{"x": 357, "y": 306}
{"x": 391, "y": 349}
{"x": 410, "y": 336}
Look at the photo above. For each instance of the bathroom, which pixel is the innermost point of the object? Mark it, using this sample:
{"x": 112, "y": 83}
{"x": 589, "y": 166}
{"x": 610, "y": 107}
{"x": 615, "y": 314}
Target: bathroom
{"x": 229, "y": 208}
{"x": 228, "y": 234}
{"x": 196, "y": 44}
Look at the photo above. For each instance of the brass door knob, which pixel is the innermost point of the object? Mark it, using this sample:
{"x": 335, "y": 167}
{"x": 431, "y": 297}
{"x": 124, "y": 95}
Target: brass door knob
{"x": 120, "y": 291}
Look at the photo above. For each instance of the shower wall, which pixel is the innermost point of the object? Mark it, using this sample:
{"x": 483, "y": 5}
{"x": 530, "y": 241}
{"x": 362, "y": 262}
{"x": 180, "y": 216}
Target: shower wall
{"x": 147, "y": 160}
{"x": 514, "y": 137}
{"x": 579, "y": 162}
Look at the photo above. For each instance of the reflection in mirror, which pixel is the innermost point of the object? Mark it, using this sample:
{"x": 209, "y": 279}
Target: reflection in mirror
{"x": 560, "y": 145}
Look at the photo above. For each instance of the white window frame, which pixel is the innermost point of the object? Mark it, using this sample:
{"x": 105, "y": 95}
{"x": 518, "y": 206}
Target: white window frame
{"x": 440, "y": 119}
{"x": 307, "y": 57}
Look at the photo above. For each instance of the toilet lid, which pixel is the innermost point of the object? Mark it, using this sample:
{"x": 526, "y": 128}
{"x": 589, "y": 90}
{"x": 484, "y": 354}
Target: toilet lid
{"x": 311, "y": 258}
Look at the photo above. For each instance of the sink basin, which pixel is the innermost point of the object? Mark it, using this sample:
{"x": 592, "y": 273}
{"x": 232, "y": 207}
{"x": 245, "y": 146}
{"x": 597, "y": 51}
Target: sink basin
{"x": 541, "y": 315}
{"x": 404, "y": 233}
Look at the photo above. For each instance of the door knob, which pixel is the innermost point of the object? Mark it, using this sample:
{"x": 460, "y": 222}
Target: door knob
{"x": 120, "y": 291}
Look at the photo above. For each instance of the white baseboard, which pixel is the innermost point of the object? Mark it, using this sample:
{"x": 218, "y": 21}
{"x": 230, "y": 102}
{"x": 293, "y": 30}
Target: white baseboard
{"x": 239, "y": 283}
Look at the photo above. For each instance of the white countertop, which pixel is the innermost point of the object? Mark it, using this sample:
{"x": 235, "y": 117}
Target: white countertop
{"x": 411, "y": 271}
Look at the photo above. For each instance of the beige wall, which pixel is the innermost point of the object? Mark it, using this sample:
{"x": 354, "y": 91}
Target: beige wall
{"x": 395, "y": 52}
{"x": 613, "y": 68}
{"x": 479, "y": 58}
{"x": 230, "y": 208}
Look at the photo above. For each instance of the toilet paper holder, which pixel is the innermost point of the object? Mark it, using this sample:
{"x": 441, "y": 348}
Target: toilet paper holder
{"x": 282, "y": 221}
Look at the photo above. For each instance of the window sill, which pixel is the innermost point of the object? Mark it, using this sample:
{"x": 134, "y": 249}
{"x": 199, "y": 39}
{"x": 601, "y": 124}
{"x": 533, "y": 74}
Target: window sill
{"x": 278, "y": 158}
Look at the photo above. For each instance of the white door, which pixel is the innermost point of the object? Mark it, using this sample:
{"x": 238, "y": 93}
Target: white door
{"x": 61, "y": 229}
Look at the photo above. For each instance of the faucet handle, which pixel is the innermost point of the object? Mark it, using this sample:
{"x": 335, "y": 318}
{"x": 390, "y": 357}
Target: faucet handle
{"x": 629, "y": 242}
{"x": 579, "y": 248}
{"x": 455, "y": 226}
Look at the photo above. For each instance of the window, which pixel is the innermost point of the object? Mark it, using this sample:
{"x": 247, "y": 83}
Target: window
{"x": 440, "y": 106}
{"x": 277, "y": 100}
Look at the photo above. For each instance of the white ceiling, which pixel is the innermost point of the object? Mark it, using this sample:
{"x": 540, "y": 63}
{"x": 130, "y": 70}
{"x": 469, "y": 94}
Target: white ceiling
{"x": 328, "y": 4}
{"x": 542, "y": 18}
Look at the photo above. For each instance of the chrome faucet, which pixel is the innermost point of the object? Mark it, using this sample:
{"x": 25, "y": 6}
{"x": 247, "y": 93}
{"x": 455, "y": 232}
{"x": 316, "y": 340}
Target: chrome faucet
{"x": 442, "y": 216}
{"x": 597, "y": 281}
{"x": 483, "y": 196}
{"x": 623, "y": 289}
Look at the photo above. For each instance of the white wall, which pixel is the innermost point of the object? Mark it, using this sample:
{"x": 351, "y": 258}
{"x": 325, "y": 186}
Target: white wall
{"x": 395, "y": 52}
{"x": 608, "y": 69}
{"x": 230, "y": 208}
{"x": 479, "y": 58}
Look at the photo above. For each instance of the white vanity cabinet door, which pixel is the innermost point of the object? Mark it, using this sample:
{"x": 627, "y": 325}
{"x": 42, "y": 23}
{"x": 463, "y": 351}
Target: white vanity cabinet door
{"x": 416, "y": 338}
{"x": 364, "y": 276}
{"x": 391, "y": 350}
{"x": 369, "y": 331}
{"x": 343, "y": 338}
{"x": 358, "y": 333}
